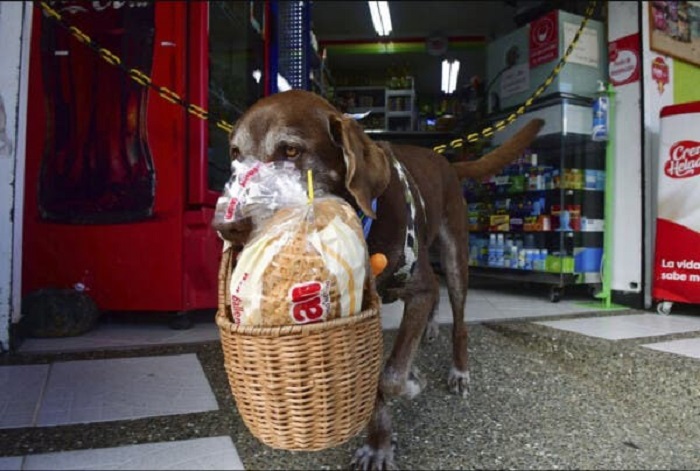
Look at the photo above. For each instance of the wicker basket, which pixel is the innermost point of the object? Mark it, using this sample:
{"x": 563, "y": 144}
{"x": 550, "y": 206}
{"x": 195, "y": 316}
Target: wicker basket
{"x": 301, "y": 387}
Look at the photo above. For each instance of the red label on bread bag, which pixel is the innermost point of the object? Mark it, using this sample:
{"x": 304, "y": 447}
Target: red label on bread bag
{"x": 309, "y": 302}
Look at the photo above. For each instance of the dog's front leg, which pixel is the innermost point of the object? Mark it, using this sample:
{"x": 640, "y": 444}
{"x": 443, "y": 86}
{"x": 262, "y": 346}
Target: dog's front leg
{"x": 378, "y": 451}
{"x": 400, "y": 378}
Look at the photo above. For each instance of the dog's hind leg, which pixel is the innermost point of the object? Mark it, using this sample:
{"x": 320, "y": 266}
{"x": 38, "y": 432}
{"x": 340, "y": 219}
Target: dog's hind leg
{"x": 454, "y": 258}
{"x": 378, "y": 451}
{"x": 432, "y": 331}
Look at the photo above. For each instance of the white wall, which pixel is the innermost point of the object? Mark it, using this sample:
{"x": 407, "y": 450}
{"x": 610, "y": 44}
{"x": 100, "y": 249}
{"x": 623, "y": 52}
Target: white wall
{"x": 654, "y": 100}
{"x": 627, "y": 242}
{"x": 15, "y": 24}
{"x": 636, "y": 178}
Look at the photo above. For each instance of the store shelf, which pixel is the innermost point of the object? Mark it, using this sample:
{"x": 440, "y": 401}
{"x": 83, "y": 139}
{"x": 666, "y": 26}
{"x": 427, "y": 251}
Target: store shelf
{"x": 401, "y": 112}
{"x": 361, "y": 99}
{"x": 400, "y": 93}
{"x": 360, "y": 88}
{"x": 362, "y": 109}
{"x": 560, "y": 227}
{"x": 532, "y": 276}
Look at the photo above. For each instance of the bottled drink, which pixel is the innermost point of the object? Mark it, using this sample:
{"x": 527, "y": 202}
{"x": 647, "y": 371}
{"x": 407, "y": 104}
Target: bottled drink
{"x": 492, "y": 250}
{"x": 500, "y": 250}
{"x": 600, "y": 114}
{"x": 97, "y": 165}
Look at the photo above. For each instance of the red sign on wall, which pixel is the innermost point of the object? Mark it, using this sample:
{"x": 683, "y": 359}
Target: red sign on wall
{"x": 623, "y": 60}
{"x": 660, "y": 73}
{"x": 544, "y": 39}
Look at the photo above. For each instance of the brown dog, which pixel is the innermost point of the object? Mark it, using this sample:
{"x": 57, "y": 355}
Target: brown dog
{"x": 415, "y": 200}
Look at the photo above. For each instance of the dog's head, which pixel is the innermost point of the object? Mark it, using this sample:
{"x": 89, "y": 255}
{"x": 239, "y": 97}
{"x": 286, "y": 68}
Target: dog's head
{"x": 303, "y": 128}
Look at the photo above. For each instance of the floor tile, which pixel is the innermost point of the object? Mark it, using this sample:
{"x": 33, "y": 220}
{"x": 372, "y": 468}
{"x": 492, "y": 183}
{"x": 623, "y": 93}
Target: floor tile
{"x": 111, "y": 336}
{"x": 21, "y": 389}
{"x": 628, "y": 326}
{"x": 201, "y": 453}
{"x": 125, "y": 388}
{"x": 685, "y": 347}
{"x": 484, "y": 305}
{"x": 12, "y": 463}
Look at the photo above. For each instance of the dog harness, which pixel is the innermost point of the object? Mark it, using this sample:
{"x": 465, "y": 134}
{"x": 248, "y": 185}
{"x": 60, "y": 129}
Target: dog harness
{"x": 410, "y": 248}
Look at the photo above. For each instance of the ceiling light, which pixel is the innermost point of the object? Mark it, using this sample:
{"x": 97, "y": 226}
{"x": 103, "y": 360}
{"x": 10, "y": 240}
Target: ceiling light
{"x": 381, "y": 18}
{"x": 450, "y": 71}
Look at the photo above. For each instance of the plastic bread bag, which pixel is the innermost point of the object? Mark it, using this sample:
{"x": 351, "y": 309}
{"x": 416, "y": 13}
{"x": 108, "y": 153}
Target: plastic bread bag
{"x": 257, "y": 190}
{"x": 306, "y": 260}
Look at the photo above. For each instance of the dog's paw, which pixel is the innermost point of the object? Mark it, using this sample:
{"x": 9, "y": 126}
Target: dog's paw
{"x": 432, "y": 332}
{"x": 393, "y": 384}
{"x": 415, "y": 383}
{"x": 368, "y": 458}
{"x": 458, "y": 382}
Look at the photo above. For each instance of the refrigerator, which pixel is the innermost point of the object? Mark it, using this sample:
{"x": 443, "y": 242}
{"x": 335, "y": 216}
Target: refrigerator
{"x": 121, "y": 183}
{"x": 676, "y": 261}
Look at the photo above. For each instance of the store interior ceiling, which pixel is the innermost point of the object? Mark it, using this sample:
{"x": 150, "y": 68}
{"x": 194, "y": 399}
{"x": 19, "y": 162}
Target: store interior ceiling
{"x": 350, "y": 21}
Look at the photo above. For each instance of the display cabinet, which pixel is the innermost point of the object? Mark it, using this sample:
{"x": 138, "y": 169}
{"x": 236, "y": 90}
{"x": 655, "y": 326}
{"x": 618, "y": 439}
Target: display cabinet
{"x": 364, "y": 99}
{"x": 401, "y": 108}
{"x": 541, "y": 219}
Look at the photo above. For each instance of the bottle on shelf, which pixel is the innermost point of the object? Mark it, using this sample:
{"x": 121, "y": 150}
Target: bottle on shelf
{"x": 500, "y": 248}
{"x": 600, "y": 114}
{"x": 492, "y": 250}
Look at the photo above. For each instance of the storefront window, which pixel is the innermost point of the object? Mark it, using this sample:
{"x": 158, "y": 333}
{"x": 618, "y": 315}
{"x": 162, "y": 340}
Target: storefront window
{"x": 236, "y": 66}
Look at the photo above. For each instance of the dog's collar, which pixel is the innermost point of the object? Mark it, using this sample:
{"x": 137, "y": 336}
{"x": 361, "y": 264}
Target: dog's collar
{"x": 365, "y": 220}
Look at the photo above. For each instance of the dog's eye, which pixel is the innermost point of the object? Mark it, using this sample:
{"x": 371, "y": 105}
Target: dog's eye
{"x": 234, "y": 153}
{"x": 291, "y": 152}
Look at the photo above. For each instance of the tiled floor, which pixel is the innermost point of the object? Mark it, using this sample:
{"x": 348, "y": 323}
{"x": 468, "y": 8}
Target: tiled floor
{"x": 485, "y": 305}
{"x": 102, "y": 390}
{"x": 202, "y": 453}
{"x": 21, "y": 391}
{"x": 124, "y": 388}
{"x": 635, "y": 326}
{"x": 113, "y": 336}
{"x": 685, "y": 347}
{"x": 127, "y": 388}
{"x": 482, "y": 305}
{"x": 627, "y": 327}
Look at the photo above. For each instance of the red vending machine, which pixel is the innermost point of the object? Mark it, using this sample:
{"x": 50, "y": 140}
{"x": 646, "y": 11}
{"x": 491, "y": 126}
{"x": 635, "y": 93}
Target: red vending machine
{"x": 121, "y": 184}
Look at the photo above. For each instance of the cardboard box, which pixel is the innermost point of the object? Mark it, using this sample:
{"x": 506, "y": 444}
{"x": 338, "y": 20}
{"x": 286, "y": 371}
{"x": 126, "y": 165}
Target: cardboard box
{"x": 532, "y": 57}
{"x": 499, "y": 223}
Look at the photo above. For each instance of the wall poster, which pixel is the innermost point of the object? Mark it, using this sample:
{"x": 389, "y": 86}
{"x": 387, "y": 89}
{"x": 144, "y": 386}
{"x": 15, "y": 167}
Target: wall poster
{"x": 675, "y": 29}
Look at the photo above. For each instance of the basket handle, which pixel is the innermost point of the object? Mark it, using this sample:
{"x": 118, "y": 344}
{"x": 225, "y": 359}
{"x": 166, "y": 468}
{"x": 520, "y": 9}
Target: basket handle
{"x": 224, "y": 277}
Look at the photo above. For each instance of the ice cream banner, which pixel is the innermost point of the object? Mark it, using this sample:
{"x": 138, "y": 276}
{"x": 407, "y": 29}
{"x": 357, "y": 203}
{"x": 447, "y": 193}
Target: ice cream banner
{"x": 677, "y": 257}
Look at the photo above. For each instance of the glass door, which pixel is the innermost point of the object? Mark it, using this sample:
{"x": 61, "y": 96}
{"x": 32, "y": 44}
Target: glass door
{"x": 227, "y": 74}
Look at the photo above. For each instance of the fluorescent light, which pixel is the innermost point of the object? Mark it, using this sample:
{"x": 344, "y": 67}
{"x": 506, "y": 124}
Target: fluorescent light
{"x": 381, "y": 17}
{"x": 445, "y": 75}
{"x": 454, "y": 71}
{"x": 450, "y": 71}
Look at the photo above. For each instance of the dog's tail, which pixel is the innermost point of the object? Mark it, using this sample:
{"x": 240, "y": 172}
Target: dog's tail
{"x": 494, "y": 161}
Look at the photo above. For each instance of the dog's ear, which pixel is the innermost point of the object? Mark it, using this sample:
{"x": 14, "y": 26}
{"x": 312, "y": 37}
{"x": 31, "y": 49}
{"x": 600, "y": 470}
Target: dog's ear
{"x": 366, "y": 166}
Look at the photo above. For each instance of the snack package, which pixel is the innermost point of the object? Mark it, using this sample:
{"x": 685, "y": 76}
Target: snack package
{"x": 306, "y": 260}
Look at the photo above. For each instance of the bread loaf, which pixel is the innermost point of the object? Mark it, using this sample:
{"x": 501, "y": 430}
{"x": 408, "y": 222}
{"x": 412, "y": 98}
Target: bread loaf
{"x": 306, "y": 263}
